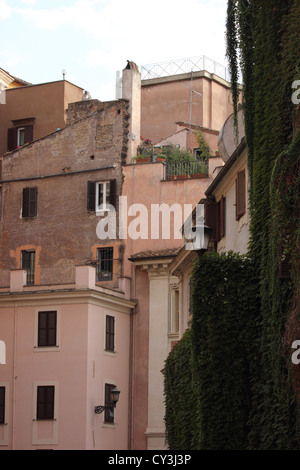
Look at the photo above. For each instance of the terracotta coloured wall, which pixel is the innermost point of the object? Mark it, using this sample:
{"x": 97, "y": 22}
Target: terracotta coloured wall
{"x": 47, "y": 103}
{"x": 167, "y": 100}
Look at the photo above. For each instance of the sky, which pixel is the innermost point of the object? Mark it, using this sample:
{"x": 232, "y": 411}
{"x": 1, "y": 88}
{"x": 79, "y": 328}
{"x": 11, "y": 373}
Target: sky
{"x": 93, "y": 39}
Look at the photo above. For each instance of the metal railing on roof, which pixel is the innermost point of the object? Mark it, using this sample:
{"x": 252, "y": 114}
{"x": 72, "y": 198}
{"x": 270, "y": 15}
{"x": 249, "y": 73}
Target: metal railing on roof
{"x": 187, "y": 65}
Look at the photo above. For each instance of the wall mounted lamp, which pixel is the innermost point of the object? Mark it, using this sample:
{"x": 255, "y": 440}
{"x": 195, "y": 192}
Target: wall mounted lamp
{"x": 114, "y": 398}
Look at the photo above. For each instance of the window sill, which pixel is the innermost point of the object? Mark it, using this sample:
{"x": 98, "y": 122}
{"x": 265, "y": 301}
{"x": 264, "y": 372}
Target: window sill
{"x": 110, "y": 353}
{"x": 46, "y": 348}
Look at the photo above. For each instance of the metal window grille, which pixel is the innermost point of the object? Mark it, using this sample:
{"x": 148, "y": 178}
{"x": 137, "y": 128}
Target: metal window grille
{"x": 105, "y": 260}
{"x": 28, "y": 263}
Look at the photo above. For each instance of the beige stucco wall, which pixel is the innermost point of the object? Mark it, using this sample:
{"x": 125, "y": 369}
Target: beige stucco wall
{"x": 166, "y": 101}
{"x": 237, "y": 231}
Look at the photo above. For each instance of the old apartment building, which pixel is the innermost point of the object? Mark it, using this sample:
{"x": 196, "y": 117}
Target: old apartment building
{"x": 33, "y": 111}
{"x": 65, "y": 322}
{"x": 84, "y": 311}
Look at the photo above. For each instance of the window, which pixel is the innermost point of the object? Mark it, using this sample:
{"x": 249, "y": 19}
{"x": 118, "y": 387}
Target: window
{"x": 190, "y": 296}
{"x": 221, "y": 218}
{"x": 174, "y": 311}
{"x": 211, "y": 218}
{"x": 110, "y": 333}
{"x": 240, "y": 191}
{"x": 47, "y": 327}
{"x": 109, "y": 413}
{"x": 18, "y": 136}
{"x": 2, "y": 405}
{"x": 29, "y": 207}
{"x": 21, "y": 137}
{"x": 100, "y": 195}
{"x": 104, "y": 271}
{"x": 28, "y": 263}
{"x": 45, "y": 402}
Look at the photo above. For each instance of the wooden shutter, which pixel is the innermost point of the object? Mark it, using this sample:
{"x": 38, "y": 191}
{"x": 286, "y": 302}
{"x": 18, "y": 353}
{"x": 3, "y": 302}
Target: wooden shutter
{"x": 221, "y": 218}
{"x": 12, "y": 139}
{"x": 29, "y": 202}
{"x": 91, "y": 196}
{"x": 240, "y": 194}
{"x": 211, "y": 218}
{"x": 113, "y": 193}
{"x": 110, "y": 333}
{"x": 28, "y": 134}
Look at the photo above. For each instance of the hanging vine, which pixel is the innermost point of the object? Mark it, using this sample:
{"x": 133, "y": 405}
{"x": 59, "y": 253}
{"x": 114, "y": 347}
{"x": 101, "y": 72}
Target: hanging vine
{"x": 263, "y": 43}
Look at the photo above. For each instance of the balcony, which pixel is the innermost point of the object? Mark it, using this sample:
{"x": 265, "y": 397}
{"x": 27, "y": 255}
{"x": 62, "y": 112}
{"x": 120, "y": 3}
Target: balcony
{"x": 178, "y": 164}
{"x": 185, "y": 170}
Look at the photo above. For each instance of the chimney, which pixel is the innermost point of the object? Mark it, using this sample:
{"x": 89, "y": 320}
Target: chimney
{"x": 131, "y": 91}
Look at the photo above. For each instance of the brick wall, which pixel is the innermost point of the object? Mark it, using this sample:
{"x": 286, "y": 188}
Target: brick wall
{"x": 91, "y": 148}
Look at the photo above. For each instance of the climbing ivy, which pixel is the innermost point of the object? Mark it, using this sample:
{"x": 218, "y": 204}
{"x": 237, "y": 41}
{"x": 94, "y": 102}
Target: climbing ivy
{"x": 269, "y": 62}
{"x": 243, "y": 325}
{"x": 208, "y": 373}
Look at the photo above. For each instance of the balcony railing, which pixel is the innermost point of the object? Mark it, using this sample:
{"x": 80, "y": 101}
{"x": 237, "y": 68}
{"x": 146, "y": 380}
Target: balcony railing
{"x": 185, "y": 170}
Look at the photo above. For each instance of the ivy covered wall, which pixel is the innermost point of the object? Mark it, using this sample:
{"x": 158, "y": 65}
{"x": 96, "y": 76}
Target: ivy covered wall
{"x": 263, "y": 40}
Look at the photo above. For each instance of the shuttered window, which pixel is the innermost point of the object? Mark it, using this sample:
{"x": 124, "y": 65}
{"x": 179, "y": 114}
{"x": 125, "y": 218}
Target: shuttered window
{"x": 45, "y": 402}
{"x": 240, "y": 191}
{"x": 18, "y": 136}
{"x": 221, "y": 217}
{"x": 211, "y": 218}
{"x": 29, "y": 207}
{"x": 2, "y": 405}
{"x": 47, "y": 325}
{"x": 100, "y": 195}
{"x": 110, "y": 333}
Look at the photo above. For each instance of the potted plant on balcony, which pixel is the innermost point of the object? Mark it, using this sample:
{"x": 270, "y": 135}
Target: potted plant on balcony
{"x": 144, "y": 151}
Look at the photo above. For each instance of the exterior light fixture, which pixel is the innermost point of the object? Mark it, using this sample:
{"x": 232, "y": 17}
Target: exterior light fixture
{"x": 114, "y": 398}
{"x": 207, "y": 234}
{"x": 197, "y": 237}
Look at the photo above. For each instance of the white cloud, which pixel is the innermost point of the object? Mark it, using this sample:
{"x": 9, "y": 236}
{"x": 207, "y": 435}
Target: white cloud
{"x": 5, "y": 10}
{"x": 29, "y": 2}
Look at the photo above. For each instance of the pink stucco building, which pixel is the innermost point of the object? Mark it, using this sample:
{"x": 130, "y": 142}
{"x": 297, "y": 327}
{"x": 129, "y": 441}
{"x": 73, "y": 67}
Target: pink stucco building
{"x": 82, "y": 313}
